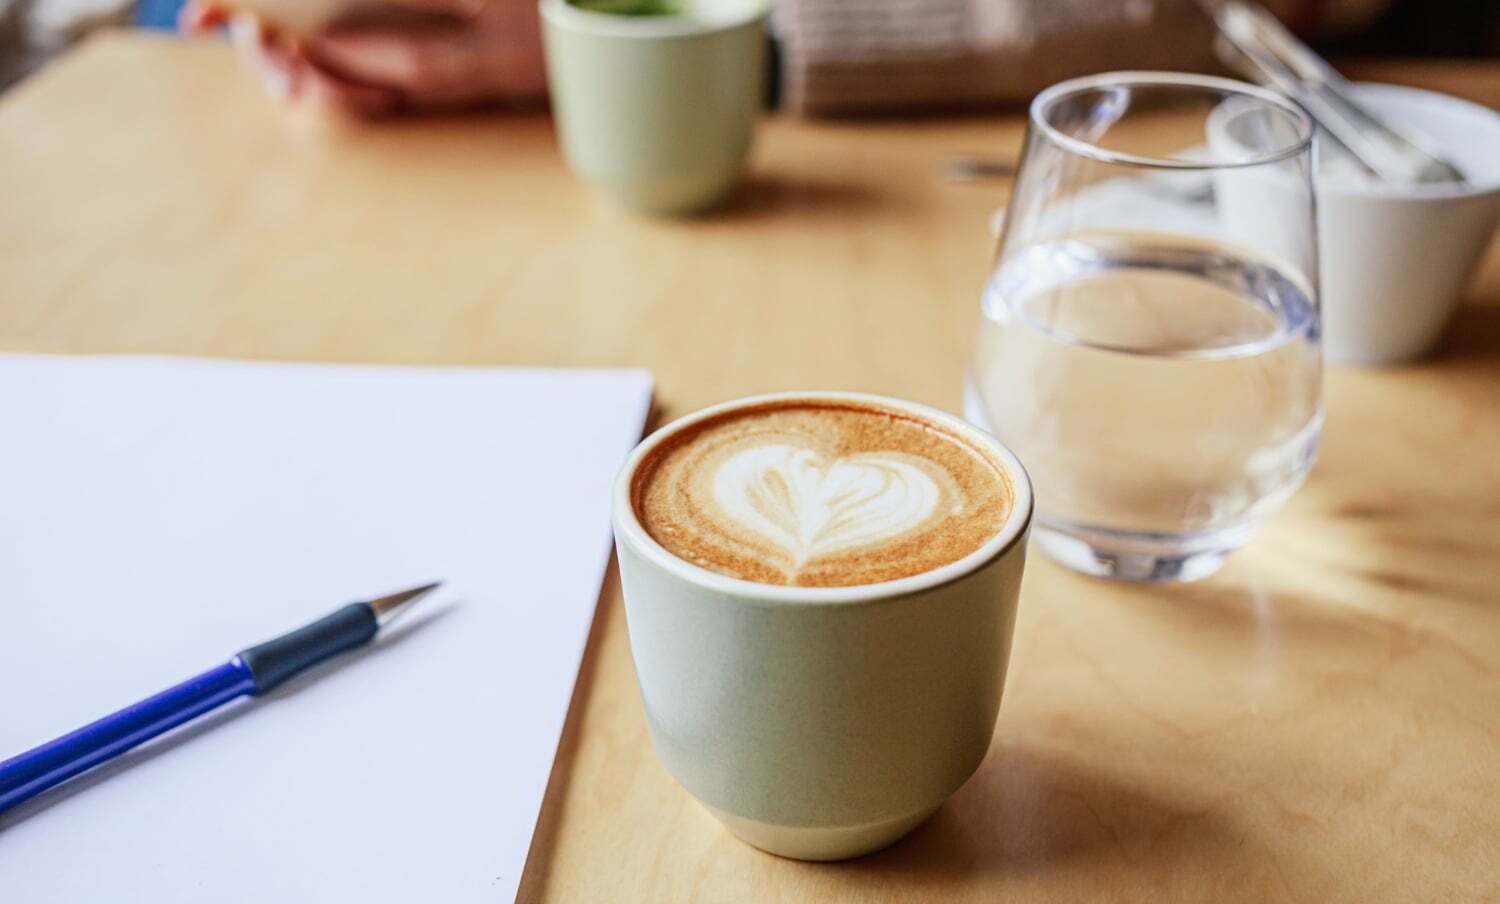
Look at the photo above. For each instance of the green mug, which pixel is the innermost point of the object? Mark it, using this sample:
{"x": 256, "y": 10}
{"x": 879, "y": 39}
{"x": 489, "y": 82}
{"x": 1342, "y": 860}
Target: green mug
{"x": 657, "y": 111}
{"x": 822, "y": 723}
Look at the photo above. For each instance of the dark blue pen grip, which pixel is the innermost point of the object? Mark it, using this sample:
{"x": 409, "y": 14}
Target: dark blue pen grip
{"x": 275, "y": 661}
{"x": 56, "y": 761}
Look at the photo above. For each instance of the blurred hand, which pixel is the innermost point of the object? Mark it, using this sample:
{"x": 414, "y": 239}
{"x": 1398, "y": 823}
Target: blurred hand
{"x": 479, "y": 52}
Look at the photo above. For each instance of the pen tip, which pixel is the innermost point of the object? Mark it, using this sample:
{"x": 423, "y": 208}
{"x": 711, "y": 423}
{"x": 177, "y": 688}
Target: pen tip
{"x": 388, "y": 607}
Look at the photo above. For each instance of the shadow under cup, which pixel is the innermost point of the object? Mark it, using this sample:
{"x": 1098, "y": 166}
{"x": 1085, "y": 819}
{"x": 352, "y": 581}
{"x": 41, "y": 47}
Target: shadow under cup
{"x": 822, "y": 723}
{"x": 658, "y": 112}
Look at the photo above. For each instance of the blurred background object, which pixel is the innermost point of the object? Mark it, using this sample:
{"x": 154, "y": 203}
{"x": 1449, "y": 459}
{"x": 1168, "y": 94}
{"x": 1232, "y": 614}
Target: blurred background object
{"x": 32, "y": 31}
{"x": 853, "y": 56}
{"x": 860, "y": 55}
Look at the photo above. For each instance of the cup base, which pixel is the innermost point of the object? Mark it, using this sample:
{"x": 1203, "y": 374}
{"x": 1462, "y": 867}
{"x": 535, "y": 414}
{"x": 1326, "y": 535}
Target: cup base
{"x": 821, "y": 843}
{"x": 1143, "y": 558}
{"x": 680, "y": 196}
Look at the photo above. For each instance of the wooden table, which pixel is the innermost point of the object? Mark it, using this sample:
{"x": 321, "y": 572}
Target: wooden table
{"x": 1320, "y": 721}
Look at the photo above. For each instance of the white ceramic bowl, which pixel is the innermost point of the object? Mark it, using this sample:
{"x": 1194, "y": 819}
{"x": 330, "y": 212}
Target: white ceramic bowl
{"x": 1394, "y": 258}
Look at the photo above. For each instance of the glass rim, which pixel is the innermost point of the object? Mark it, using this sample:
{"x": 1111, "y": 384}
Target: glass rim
{"x": 1131, "y": 78}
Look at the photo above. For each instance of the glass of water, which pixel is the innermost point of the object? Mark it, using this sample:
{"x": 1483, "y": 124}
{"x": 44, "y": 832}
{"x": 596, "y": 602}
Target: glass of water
{"x": 1150, "y": 339}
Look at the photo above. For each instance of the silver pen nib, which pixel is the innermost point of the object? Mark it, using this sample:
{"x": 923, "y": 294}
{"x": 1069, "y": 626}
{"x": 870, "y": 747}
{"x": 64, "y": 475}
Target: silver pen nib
{"x": 388, "y": 607}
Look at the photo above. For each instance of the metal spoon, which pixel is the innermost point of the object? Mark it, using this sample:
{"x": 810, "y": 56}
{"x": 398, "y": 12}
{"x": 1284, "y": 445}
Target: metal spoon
{"x": 1259, "y": 46}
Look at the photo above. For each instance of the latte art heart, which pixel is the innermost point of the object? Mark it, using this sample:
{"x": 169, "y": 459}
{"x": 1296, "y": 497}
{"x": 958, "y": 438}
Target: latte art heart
{"x": 810, "y": 506}
{"x": 819, "y": 494}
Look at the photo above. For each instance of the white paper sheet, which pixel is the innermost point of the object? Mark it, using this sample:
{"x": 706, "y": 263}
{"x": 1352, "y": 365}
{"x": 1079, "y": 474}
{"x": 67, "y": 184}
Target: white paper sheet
{"x": 157, "y": 515}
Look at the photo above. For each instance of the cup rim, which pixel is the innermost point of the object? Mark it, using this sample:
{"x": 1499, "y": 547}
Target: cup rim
{"x": 1140, "y": 78}
{"x": 565, "y": 15}
{"x": 628, "y": 528}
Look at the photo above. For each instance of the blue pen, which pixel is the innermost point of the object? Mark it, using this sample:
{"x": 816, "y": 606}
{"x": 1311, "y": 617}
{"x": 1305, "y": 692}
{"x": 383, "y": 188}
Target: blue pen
{"x": 252, "y": 672}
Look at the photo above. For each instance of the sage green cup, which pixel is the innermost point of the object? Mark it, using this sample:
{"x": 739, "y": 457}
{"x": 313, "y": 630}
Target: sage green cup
{"x": 657, "y": 111}
{"x": 822, "y": 723}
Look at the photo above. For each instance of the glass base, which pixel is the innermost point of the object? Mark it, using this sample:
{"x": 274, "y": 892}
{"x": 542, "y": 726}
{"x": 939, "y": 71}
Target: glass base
{"x": 1151, "y": 558}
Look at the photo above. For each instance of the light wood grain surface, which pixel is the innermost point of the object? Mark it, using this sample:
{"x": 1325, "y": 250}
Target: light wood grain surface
{"x": 1320, "y": 721}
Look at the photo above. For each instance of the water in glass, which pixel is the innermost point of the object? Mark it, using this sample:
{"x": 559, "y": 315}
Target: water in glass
{"x": 1163, "y": 392}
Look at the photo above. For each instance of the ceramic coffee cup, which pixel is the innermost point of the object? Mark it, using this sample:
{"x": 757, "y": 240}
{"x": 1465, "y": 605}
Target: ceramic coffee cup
{"x": 822, "y": 723}
{"x": 1395, "y": 258}
{"x": 657, "y": 111}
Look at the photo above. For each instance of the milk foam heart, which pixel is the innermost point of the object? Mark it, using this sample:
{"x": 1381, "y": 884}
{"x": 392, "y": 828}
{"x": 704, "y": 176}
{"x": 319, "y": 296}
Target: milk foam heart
{"x": 811, "y": 506}
{"x": 820, "y": 494}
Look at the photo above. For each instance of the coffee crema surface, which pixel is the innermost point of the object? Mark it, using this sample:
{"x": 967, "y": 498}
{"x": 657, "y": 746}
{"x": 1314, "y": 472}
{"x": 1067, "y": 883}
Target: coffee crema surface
{"x": 820, "y": 494}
